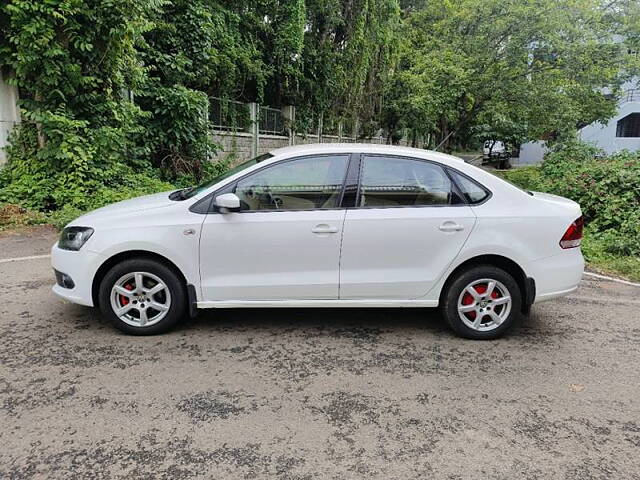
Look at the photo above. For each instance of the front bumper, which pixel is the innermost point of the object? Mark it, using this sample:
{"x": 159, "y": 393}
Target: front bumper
{"x": 81, "y": 266}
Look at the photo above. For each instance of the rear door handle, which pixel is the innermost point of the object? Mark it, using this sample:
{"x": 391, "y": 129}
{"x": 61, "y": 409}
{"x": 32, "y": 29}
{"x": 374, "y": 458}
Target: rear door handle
{"x": 451, "y": 227}
{"x": 324, "y": 228}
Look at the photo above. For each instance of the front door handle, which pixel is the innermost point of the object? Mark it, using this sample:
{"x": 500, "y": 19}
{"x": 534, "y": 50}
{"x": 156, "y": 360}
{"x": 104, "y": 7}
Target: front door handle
{"x": 324, "y": 228}
{"x": 451, "y": 227}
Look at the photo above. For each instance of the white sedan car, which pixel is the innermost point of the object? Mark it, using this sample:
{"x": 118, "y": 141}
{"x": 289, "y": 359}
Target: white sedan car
{"x": 327, "y": 226}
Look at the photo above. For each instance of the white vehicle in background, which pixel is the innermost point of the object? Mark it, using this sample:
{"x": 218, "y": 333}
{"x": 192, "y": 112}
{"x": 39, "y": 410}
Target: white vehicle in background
{"x": 496, "y": 151}
{"x": 493, "y": 149}
{"x": 327, "y": 225}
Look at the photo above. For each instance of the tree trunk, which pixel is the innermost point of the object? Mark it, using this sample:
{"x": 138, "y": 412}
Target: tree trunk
{"x": 444, "y": 132}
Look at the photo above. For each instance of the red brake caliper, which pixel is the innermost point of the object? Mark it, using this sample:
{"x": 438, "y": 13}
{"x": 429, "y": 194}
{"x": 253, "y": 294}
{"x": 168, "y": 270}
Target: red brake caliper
{"x": 124, "y": 300}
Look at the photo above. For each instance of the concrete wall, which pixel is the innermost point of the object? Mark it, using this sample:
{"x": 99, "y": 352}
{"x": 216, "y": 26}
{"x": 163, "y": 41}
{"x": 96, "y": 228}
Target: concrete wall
{"x": 9, "y": 114}
{"x": 531, "y": 153}
{"x": 238, "y": 144}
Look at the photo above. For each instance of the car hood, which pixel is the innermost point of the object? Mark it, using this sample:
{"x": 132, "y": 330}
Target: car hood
{"x": 138, "y": 204}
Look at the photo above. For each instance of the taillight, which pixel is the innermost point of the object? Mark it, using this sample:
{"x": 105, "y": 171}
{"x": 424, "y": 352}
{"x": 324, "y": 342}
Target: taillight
{"x": 573, "y": 236}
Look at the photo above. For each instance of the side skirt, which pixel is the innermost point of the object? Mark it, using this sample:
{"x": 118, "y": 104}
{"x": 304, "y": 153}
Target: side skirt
{"x": 319, "y": 304}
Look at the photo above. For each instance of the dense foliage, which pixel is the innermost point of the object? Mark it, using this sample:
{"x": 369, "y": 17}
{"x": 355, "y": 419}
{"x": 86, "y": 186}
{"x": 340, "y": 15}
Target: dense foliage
{"x": 71, "y": 63}
{"x": 115, "y": 93}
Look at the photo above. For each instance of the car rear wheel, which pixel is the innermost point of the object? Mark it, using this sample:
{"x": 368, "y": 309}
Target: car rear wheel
{"x": 482, "y": 302}
{"x": 142, "y": 297}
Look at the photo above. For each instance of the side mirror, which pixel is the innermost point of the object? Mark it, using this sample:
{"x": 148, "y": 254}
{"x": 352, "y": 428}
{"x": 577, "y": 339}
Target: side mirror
{"x": 227, "y": 202}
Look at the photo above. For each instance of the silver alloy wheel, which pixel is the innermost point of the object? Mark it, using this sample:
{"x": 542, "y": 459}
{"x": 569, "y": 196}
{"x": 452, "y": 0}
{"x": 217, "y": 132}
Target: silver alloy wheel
{"x": 484, "y": 304}
{"x": 140, "y": 299}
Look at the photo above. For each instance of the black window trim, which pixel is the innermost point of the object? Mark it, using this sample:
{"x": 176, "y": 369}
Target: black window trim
{"x": 489, "y": 193}
{"x": 445, "y": 168}
{"x": 351, "y": 181}
{"x": 229, "y": 187}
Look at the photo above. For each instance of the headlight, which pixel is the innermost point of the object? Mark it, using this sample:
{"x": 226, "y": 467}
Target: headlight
{"x": 73, "y": 238}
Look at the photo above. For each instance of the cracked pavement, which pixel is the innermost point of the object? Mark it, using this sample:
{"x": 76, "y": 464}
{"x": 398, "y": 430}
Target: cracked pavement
{"x": 302, "y": 394}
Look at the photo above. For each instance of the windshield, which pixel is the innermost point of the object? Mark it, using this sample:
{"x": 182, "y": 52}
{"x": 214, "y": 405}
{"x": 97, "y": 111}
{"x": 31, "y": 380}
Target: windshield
{"x": 193, "y": 191}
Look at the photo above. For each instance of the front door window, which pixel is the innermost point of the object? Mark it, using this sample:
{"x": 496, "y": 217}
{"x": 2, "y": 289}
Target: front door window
{"x": 306, "y": 183}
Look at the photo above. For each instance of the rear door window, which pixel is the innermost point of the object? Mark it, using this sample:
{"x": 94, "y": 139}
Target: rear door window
{"x": 401, "y": 182}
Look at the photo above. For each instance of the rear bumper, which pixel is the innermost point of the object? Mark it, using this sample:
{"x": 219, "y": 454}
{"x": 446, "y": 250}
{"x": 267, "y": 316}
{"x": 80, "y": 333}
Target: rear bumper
{"x": 81, "y": 267}
{"x": 558, "y": 275}
{"x": 552, "y": 295}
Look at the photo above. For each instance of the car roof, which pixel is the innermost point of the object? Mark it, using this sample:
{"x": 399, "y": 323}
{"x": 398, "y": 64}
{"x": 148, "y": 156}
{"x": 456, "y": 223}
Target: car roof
{"x": 312, "y": 148}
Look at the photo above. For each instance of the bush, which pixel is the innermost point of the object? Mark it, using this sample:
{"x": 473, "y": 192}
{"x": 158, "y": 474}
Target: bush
{"x": 77, "y": 170}
{"x": 177, "y": 130}
{"x": 68, "y": 165}
{"x": 528, "y": 178}
{"x": 606, "y": 187}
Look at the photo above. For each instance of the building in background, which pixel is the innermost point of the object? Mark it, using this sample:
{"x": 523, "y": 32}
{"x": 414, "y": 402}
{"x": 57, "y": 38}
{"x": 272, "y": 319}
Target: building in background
{"x": 622, "y": 132}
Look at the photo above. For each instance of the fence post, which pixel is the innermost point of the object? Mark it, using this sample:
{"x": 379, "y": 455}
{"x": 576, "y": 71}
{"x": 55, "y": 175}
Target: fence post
{"x": 289, "y": 114}
{"x": 320, "y": 119}
{"x": 9, "y": 113}
{"x": 254, "y": 112}
{"x": 356, "y": 127}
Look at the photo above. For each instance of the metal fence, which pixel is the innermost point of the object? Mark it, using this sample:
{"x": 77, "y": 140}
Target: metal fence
{"x": 285, "y": 124}
{"x": 631, "y": 96}
{"x": 271, "y": 121}
{"x": 226, "y": 114}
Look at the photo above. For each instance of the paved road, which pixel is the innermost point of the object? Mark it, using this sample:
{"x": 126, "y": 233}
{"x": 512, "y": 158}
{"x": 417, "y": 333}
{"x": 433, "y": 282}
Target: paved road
{"x": 300, "y": 394}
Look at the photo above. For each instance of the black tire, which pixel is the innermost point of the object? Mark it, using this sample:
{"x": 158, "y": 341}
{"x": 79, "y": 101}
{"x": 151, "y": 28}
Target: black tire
{"x": 177, "y": 299}
{"x": 454, "y": 290}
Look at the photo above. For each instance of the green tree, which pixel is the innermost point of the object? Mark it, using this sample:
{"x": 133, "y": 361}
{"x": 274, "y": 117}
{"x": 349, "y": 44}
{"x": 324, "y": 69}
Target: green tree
{"x": 537, "y": 64}
{"x": 71, "y": 61}
{"x": 349, "y": 53}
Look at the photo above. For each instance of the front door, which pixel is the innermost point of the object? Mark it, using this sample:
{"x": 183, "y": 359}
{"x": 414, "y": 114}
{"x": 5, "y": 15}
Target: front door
{"x": 406, "y": 229}
{"x": 284, "y": 243}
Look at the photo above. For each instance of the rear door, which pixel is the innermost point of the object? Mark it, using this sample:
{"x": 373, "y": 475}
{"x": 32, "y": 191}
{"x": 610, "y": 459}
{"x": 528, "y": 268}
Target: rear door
{"x": 408, "y": 224}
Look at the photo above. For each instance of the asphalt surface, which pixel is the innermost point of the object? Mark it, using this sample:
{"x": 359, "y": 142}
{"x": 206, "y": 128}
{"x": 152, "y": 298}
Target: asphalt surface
{"x": 301, "y": 394}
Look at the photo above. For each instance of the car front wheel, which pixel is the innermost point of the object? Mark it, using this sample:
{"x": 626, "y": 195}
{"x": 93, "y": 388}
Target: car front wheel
{"x": 482, "y": 302}
{"x": 142, "y": 297}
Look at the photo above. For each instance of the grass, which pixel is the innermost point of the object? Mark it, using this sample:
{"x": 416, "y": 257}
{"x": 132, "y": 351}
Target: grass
{"x": 598, "y": 260}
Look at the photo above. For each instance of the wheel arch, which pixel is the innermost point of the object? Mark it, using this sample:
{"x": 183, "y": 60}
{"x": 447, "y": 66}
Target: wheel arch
{"x": 127, "y": 255}
{"x": 525, "y": 284}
